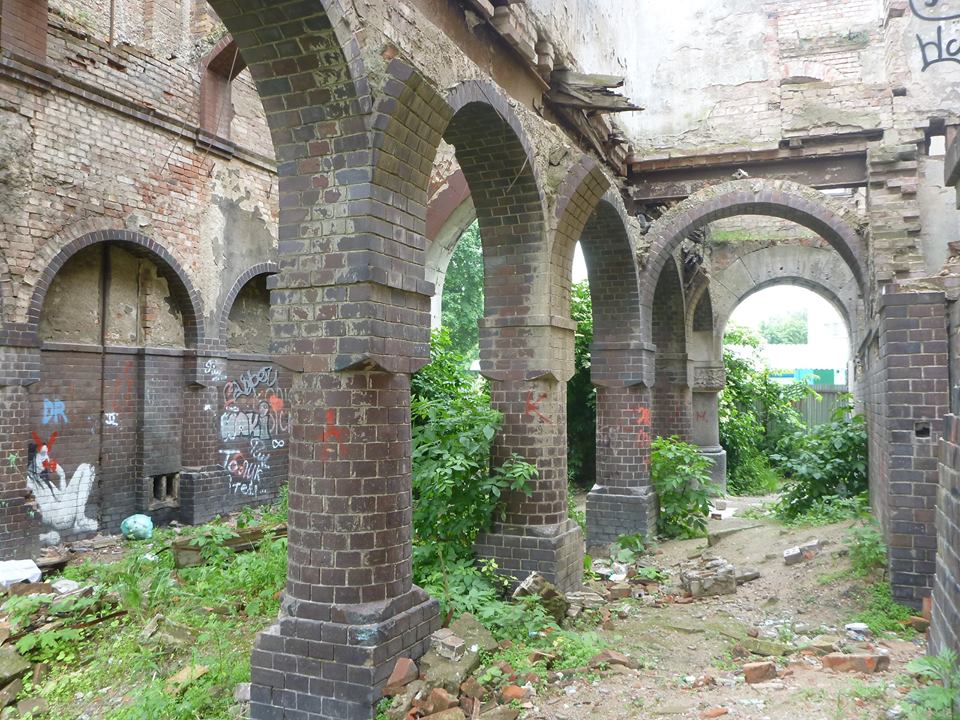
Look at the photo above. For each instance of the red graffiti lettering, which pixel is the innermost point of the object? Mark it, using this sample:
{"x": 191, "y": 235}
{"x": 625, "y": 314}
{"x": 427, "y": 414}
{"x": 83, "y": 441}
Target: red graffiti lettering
{"x": 533, "y": 407}
{"x": 641, "y": 422}
{"x": 332, "y": 434}
{"x": 701, "y": 417}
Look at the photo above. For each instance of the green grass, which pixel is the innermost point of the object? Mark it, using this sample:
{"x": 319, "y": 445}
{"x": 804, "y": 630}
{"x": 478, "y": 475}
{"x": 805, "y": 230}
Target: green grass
{"x": 223, "y": 603}
{"x": 883, "y": 614}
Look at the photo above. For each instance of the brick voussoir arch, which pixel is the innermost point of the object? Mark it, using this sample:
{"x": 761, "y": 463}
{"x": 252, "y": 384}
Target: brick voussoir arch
{"x": 181, "y": 287}
{"x": 779, "y": 198}
{"x": 264, "y": 268}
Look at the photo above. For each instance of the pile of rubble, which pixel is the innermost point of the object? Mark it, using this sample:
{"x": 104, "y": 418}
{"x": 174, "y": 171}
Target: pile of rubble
{"x": 444, "y": 686}
{"x": 15, "y": 669}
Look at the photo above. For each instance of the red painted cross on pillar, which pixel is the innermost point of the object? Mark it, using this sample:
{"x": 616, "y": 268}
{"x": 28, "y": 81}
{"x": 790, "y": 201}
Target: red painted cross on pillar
{"x": 533, "y": 407}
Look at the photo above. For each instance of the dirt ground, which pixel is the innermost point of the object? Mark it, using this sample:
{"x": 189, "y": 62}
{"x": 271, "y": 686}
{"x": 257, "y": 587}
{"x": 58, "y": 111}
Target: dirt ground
{"x": 678, "y": 644}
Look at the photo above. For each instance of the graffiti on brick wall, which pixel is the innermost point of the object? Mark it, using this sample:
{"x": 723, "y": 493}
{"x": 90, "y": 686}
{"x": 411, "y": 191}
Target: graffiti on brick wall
{"x": 54, "y": 411}
{"x": 120, "y": 397}
{"x": 532, "y": 408}
{"x": 942, "y": 43}
{"x": 253, "y": 423}
{"x": 640, "y": 422}
{"x": 62, "y": 503}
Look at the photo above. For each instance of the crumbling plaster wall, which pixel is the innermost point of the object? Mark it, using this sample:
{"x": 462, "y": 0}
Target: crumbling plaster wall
{"x": 65, "y": 159}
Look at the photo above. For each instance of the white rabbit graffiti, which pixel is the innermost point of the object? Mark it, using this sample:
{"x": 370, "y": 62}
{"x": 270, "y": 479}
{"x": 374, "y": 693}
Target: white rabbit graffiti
{"x": 62, "y": 504}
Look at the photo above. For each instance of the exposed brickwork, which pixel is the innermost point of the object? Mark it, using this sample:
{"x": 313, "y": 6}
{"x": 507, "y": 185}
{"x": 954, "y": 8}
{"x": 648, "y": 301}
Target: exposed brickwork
{"x": 23, "y": 28}
{"x": 945, "y": 626}
{"x": 672, "y": 400}
{"x": 912, "y": 357}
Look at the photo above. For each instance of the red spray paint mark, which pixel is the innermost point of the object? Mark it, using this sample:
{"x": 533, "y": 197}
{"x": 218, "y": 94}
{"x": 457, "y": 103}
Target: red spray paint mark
{"x": 331, "y": 433}
{"x": 641, "y": 424}
{"x": 702, "y": 416}
{"x": 533, "y": 407}
{"x": 49, "y": 463}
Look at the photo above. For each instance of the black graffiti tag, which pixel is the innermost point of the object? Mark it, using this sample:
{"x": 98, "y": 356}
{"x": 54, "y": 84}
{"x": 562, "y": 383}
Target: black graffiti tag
{"x": 248, "y": 383}
{"x": 931, "y": 15}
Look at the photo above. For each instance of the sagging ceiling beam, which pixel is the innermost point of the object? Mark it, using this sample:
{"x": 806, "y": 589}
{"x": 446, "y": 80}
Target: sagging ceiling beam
{"x": 847, "y": 170}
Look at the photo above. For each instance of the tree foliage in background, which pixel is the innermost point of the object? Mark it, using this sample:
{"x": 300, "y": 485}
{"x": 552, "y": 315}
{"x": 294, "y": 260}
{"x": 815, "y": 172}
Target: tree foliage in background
{"x": 825, "y": 462}
{"x": 785, "y": 329}
{"x": 756, "y": 413}
{"x": 463, "y": 293}
{"x": 581, "y": 395}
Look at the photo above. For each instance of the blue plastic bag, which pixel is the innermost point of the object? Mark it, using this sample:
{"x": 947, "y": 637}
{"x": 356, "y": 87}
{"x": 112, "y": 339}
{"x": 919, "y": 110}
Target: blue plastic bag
{"x": 137, "y": 527}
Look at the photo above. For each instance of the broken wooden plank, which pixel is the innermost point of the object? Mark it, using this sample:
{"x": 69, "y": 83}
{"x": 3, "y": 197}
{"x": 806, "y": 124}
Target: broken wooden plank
{"x": 187, "y": 554}
{"x": 585, "y": 80}
{"x": 592, "y": 100}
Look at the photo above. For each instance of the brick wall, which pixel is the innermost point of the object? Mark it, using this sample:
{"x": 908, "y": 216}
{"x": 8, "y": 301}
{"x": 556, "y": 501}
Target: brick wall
{"x": 945, "y": 626}
{"x": 672, "y": 397}
{"x": 910, "y": 371}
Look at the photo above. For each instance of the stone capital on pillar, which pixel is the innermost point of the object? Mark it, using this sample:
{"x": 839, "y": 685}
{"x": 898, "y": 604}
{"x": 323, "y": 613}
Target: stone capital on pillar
{"x": 622, "y": 364}
{"x": 676, "y": 369}
{"x": 709, "y": 377}
{"x": 527, "y": 347}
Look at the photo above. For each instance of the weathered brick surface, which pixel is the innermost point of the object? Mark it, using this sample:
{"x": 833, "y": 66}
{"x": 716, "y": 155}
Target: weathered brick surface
{"x": 945, "y": 625}
{"x": 907, "y": 399}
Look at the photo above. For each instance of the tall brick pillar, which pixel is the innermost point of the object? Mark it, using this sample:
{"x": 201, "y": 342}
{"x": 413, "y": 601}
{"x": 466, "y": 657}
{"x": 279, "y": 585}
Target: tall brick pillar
{"x": 672, "y": 396}
{"x": 915, "y": 386}
{"x": 528, "y": 365}
{"x": 623, "y": 501}
{"x": 19, "y": 520}
{"x": 708, "y": 381}
{"x": 350, "y": 608}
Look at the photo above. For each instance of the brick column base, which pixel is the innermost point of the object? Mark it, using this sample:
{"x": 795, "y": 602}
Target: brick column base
{"x": 333, "y": 666}
{"x": 612, "y": 512}
{"x": 554, "y": 551}
{"x": 202, "y": 492}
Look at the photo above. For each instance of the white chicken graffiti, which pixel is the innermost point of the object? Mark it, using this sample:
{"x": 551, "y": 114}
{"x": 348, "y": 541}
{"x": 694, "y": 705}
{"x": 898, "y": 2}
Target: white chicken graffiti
{"x": 62, "y": 504}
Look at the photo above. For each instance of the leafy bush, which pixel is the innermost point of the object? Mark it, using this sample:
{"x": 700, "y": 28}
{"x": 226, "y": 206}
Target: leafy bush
{"x": 868, "y": 552}
{"x": 939, "y": 698}
{"x": 755, "y": 414}
{"x": 828, "y": 510}
{"x": 829, "y": 460}
{"x": 581, "y": 395}
{"x": 681, "y": 477}
{"x": 455, "y": 491}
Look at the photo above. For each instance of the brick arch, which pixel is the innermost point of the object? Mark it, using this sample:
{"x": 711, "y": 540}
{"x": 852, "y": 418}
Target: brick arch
{"x": 264, "y": 268}
{"x": 780, "y": 198}
{"x": 816, "y": 268}
{"x": 497, "y": 161}
{"x": 671, "y": 388}
{"x": 181, "y": 287}
{"x": 612, "y": 274}
{"x": 583, "y": 187}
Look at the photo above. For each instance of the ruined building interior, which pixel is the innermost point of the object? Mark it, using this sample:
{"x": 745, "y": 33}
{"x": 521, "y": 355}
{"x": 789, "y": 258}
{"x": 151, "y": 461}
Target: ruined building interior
{"x": 224, "y": 228}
